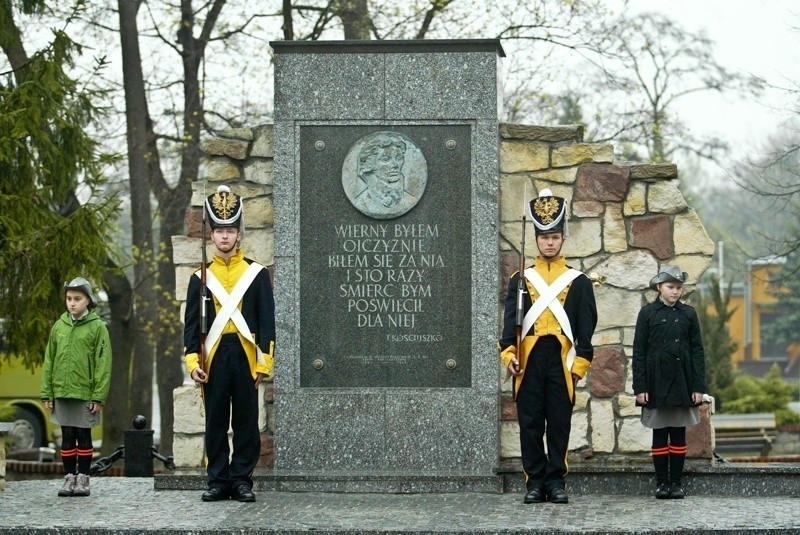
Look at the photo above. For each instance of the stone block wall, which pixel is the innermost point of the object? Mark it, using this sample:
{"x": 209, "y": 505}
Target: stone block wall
{"x": 2, "y": 462}
{"x": 625, "y": 220}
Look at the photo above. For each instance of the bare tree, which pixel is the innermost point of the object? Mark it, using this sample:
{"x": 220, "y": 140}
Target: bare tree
{"x": 142, "y": 235}
{"x": 157, "y": 311}
{"x": 773, "y": 179}
{"x": 649, "y": 62}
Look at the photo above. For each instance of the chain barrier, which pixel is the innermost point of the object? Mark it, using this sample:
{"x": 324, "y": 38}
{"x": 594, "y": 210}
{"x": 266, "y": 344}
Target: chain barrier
{"x": 136, "y": 440}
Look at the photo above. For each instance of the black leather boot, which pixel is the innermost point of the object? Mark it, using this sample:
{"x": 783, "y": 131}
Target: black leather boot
{"x": 676, "y": 491}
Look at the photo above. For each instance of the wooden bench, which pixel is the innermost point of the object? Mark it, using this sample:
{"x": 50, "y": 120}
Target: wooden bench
{"x": 742, "y": 433}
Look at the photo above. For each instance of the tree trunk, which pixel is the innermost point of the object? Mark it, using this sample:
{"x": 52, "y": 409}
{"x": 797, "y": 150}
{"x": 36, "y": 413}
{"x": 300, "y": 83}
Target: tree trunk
{"x": 288, "y": 21}
{"x": 355, "y": 18}
{"x": 116, "y": 418}
{"x": 11, "y": 39}
{"x": 169, "y": 364}
{"x": 141, "y": 215}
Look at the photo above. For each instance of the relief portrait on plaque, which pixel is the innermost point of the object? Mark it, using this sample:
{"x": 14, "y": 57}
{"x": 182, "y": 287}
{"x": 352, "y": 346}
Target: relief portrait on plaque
{"x": 384, "y": 175}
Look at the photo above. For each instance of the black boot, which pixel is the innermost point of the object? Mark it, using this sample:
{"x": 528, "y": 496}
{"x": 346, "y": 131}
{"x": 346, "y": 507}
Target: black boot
{"x": 676, "y": 461}
{"x": 661, "y": 465}
{"x": 676, "y": 491}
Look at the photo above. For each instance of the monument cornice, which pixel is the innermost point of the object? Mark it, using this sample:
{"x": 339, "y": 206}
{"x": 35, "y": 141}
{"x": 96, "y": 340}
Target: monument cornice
{"x": 410, "y": 46}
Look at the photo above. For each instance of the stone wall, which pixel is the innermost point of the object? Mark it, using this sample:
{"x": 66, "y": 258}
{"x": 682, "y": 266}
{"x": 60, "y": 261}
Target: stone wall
{"x": 624, "y": 222}
{"x": 2, "y": 461}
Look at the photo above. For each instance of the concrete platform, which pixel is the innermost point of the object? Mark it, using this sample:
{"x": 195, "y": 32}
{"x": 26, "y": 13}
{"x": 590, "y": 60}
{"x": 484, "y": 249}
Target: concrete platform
{"x": 135, "y": 506}
{"x": 700, "y": 479}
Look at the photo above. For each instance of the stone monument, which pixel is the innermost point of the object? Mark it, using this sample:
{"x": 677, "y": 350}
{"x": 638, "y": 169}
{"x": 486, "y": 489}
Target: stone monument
{"x": 386, "y": 265}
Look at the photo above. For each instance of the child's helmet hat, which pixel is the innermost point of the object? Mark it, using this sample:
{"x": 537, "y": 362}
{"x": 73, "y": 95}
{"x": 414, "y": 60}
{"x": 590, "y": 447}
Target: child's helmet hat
{"x": 668, "y": 273}
{"x": 82, "y": 285}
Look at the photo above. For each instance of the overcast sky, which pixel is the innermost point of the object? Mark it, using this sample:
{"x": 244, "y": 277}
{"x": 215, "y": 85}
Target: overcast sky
{"x": 755, "y": 36}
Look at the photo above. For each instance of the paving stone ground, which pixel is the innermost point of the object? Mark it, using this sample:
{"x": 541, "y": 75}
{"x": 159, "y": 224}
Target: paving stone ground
{"x": 132, "y": 505}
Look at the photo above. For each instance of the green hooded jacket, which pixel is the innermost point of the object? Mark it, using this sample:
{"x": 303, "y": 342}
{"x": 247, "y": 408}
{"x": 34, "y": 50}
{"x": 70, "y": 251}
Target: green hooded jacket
{"x": 77, "y": 360}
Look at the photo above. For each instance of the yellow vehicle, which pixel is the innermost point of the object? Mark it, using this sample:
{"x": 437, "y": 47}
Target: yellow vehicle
{"x": 19, "y": 391}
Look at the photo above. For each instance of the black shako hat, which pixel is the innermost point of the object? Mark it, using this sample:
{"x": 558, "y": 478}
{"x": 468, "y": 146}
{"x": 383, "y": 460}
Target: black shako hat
{"x": 547, "y": 212}
{"x": 224, "y": 208}
{"x": 668, "y": 273}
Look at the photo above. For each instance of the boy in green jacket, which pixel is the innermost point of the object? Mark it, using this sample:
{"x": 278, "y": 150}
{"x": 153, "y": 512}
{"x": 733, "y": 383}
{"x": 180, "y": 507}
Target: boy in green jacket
{"x": 75, "y": 381}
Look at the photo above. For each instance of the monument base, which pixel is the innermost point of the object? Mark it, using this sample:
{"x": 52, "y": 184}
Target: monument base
{"x": 634, "y": 480}
{"x": 345, "y": 482}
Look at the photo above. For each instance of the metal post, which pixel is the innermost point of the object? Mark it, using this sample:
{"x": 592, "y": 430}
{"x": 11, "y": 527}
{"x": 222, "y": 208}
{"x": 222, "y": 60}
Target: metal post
{"x": 138, "y": 449}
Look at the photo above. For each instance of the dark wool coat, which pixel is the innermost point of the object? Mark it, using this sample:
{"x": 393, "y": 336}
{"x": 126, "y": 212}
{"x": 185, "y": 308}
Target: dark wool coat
{"x": 668, "y": 357}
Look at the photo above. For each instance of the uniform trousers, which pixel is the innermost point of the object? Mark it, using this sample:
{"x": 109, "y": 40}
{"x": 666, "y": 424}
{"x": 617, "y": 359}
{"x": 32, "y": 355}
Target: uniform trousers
{"x": 544, "y": 407}
{"x": 231, "y": 399}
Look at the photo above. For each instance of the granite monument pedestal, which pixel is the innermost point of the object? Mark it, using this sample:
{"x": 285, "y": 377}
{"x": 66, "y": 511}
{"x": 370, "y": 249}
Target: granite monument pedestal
{"x": 386, "y": 165}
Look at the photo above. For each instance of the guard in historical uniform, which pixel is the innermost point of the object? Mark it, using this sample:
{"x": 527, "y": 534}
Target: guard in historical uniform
{"x": 229, "y": 341}
{"x": 558, "y": 318}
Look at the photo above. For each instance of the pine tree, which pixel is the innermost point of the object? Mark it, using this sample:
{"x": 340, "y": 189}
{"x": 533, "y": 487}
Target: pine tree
{"x": 47, "y": 237}
{"x": 749, "y": 394}
{"x": 784, "y": 284}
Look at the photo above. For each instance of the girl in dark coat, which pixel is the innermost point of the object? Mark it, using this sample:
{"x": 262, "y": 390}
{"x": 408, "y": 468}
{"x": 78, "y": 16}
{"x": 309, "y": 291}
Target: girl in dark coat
{"x": 668, "y": 376}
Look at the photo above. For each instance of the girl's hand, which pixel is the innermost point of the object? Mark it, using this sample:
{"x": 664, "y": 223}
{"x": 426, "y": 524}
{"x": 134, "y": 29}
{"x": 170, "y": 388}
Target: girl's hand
{"x": 513, "y": 367}
{"x": 48, "y": 405}
{"x": 642, "y": 398}
{"x": 697, "y": 398}
{"x": 94, "y": 408}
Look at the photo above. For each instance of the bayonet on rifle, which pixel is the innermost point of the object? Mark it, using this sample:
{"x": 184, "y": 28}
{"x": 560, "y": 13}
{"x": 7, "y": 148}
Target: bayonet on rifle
{"x": 203, "y": 290}
{"x": 522, "y": 289}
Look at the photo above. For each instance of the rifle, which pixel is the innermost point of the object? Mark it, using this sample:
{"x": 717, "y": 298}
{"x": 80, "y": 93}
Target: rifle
{"x": 203, "y": 292}
{"x": 522, "y": 289}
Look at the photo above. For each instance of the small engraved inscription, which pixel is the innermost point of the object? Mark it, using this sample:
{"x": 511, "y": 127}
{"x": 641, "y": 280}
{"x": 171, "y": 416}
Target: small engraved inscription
{"x": 384, "y": 175}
